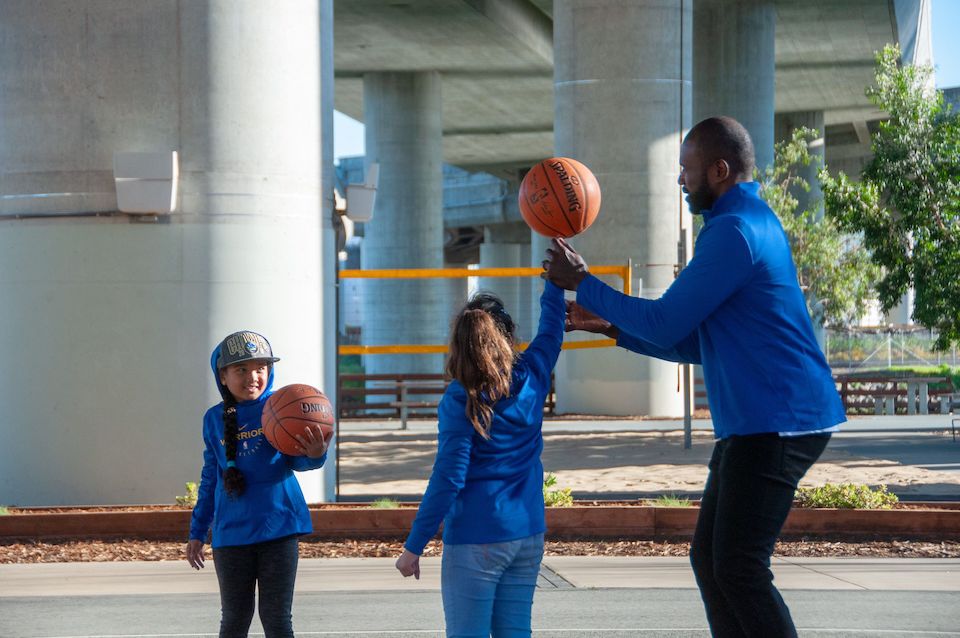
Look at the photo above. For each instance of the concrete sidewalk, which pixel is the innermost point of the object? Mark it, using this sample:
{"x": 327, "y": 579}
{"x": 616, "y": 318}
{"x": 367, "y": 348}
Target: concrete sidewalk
{"x": 558, "y": 572}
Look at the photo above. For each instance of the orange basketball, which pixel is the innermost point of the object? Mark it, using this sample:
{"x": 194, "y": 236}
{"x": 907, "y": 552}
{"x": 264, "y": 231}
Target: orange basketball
{"x": 290, "y": 410}
{"x": 559, "y": 197}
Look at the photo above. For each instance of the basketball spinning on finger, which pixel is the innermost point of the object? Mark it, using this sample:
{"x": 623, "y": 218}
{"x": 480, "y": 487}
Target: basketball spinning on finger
{"x": 559, "y": 197}
{"x": 290, "y": 410}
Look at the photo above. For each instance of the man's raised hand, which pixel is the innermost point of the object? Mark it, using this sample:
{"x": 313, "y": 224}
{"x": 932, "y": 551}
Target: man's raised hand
{"x": 564, "y": 267}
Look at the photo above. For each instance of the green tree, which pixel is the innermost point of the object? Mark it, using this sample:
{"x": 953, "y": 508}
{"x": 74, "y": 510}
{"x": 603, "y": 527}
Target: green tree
{"x": 834, "y": 270}
{"x": 907, "y": 202}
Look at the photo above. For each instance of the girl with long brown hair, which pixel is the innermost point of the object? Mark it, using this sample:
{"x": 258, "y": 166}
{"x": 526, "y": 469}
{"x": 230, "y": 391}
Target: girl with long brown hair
{"x": 487, "y": 479}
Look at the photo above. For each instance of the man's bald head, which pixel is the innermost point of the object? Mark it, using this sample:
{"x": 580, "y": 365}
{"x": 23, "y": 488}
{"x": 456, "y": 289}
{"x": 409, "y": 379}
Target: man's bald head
{"x": 724, "y": 138}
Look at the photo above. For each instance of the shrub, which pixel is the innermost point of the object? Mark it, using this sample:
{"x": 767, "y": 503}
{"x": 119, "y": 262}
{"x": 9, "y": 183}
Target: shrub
{"x": 846, "y": 496}
{"x": 190, "y": 498}
{"x": 385, "y": 503}
{"x": 556, "y": 497}
{"x": 3, "y": 511}
{"x": 671, "y": 500}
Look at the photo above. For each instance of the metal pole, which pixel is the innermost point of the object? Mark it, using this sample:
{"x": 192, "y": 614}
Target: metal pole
{"x": 686, "y": 370}
{"x": 336, "y": 323}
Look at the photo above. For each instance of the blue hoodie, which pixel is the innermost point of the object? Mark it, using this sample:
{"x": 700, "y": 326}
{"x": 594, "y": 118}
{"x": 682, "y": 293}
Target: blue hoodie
{"x": 491, "y": 490}
{"x": 737, "y": 309}
{"x": 272, "y": 505}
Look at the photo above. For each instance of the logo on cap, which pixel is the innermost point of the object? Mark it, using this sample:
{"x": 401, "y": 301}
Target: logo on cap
{"x": 243, "y": 346}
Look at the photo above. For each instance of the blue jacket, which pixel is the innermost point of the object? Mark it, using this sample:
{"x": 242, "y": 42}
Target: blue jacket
{"x": 737, "y": 309}
{"x": 272, "y": 506}
{"x": 491, "y": 490}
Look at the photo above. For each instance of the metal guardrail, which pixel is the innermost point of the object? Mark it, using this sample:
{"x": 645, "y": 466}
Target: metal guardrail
{"x": 624, "y": 272}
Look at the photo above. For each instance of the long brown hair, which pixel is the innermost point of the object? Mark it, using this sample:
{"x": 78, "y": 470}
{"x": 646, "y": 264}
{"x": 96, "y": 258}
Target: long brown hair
{"x": 482, "y": 356}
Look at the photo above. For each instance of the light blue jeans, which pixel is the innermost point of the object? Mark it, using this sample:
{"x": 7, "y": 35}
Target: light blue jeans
{"x": 488, "y": 588}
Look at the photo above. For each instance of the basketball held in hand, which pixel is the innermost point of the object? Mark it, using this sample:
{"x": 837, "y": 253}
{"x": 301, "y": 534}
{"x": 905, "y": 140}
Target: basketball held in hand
{"x": 290, "y": 410}
{"x": 559, "y": 197}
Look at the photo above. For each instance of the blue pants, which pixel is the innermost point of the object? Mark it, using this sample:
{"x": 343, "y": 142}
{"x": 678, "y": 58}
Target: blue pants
{"x": 488, "y": 588}
{"x": 271, "y": 565}
{"x": 746, "y": 500}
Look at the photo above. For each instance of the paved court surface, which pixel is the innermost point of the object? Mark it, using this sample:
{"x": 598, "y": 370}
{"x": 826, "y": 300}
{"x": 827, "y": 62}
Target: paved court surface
{"x": 603, "y": 597}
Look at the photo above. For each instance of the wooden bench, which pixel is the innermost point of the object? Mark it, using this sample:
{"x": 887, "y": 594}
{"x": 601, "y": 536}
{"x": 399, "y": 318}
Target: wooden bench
{"x": 399, "y": 396}
{"x": 393, "y": 395}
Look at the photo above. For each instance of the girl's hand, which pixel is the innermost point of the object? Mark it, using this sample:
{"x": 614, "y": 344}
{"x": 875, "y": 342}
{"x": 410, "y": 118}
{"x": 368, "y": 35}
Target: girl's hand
{"x": 195, "y": 553}
{"x": 409, "y": 564}
{"x": 312, "y": 442}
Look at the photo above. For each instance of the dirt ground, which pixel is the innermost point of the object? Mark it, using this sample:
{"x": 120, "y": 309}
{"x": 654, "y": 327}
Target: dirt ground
{"x": 101, "y": 551}
{"x": 597, "y": 464}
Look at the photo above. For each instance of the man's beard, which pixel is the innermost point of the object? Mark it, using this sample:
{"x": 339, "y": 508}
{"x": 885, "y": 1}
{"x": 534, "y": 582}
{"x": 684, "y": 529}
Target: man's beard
{"x": 701, "y": 199}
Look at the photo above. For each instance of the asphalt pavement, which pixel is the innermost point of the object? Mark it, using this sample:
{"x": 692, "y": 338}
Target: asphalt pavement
{"x": 604, "y": 597}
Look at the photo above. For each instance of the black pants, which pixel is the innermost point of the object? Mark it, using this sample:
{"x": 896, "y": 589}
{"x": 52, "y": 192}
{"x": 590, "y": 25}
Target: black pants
{"x": 272, "y": 566}
{"x": 746, "y": 500}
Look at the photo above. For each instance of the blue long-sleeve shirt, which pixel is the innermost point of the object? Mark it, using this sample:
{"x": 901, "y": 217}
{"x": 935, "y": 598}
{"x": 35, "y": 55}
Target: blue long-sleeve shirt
{"x": 737, "y": 309}
{"x": 272, "y": 505}
{"x": 491, "y": 490}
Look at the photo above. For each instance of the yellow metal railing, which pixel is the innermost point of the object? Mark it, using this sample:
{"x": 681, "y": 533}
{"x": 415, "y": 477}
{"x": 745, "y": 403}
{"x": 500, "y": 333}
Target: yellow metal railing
{"x": 624, "y": 272}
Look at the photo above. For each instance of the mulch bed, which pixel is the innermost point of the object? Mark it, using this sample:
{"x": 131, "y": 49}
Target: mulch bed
{"x": 141, "y": 550}
{"x": 138, "y": 550}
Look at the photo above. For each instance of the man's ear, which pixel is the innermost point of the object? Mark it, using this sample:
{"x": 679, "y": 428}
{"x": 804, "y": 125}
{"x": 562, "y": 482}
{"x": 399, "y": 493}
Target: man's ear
{"x": 719, "y": 171}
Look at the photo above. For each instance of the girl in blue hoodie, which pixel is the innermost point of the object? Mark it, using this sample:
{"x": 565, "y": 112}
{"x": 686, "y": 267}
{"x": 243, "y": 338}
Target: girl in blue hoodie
{"x": 248, "y": 496}
{"x": 487, "y": 480}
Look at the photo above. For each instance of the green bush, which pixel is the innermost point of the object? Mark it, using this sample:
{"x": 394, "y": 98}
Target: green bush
{"x": 385, "y": 503}
{"x": 556, "y": 497}
{"x": 846, "y": 496}
{"x": 190, "y": 498}
{"x": 3, "y": 511}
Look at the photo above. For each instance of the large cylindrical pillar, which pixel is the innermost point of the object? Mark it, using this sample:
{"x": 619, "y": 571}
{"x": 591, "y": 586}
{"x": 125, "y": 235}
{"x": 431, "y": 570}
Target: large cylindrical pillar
{"x": 402, "y": 115}
{"x": 112, "y": 322}
{"x": 622, "y": 101}
{"x": 501, "y": 255}
{"x": 733, "y": 66}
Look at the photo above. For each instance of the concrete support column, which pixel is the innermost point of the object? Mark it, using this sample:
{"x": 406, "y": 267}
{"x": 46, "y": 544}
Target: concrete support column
{"x": 733, "y": 66}
{"x": 118, "y": 316}
{"x": 501, "y": 249}
{"x": 402, "y": 115}
{"x": 622, "y": 86}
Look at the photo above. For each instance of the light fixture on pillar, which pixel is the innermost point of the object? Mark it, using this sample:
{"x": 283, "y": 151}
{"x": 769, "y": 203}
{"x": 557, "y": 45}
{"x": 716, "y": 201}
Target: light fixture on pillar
{"x": 362, "y": 197}
{"x": 146, "y": 182}
{"x": 342, "y": 224}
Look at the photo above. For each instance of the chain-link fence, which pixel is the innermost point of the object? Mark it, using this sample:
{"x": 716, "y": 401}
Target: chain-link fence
{"x": 884, "y": 347}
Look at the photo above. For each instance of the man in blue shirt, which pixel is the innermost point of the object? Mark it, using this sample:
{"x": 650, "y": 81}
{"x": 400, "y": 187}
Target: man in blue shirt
{"x": 738, "y": 310}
